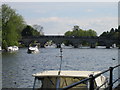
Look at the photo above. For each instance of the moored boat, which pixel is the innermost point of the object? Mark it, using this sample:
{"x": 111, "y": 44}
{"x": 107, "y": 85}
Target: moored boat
{"x": 62, "y": 79}
{"x": 50, "y": 46}
{"x": 12, "y": 48}
{"x": 56, "y": 79}
{"x": 33, "y": 49}
{"x": 0, "y": 48}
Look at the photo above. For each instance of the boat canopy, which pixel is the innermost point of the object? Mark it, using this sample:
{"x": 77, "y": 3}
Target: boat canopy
{"x": 66, "y": 73}
{"x": 49, "y": 78}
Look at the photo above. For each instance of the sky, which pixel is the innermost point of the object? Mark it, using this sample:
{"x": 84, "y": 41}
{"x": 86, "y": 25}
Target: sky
{"x": 59, "y": 17}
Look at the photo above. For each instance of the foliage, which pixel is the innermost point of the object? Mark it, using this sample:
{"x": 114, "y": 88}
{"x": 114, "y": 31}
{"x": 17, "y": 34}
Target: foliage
{"x": 12, "y": 25}
{"x": 80, "y": 32}
{"x": 39, "y": 28}
{"x": 112, "y": 34}
{"x": 29, "y": 31}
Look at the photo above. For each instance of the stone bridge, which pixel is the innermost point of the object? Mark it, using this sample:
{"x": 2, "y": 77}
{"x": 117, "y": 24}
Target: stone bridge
{"x": 76, "y": 41}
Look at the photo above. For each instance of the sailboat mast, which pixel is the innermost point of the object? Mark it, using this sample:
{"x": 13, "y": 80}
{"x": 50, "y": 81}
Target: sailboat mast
{"x": 61, "y": 56}
{"x": 58, "y": 79}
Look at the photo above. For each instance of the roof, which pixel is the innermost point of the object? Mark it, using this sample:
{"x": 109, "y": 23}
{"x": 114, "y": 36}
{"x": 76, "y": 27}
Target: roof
{"x": 66, "y": 73}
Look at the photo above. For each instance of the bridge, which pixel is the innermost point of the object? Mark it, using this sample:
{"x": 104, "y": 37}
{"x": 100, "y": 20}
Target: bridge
{"x": 74, "y": 40}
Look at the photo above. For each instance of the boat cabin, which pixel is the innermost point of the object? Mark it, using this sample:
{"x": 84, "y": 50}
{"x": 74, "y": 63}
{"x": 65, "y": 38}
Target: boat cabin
{"x": 54, "y": 79}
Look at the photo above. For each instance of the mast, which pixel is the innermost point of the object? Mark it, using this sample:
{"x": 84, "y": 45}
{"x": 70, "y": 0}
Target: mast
{"x": 58, "y": 79}
{"x": 61, "y": 56}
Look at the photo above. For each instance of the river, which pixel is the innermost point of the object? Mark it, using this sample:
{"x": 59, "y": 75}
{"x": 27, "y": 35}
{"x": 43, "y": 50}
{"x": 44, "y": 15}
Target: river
{"x": 19, "y": 66}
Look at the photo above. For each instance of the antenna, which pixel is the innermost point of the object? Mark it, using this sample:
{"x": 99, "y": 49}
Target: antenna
{"x": 58, "y": 79}
{"x": 61, "y": 56}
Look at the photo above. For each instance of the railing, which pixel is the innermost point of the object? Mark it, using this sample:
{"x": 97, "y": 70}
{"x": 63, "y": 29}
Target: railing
{"x": 92, "y": 78}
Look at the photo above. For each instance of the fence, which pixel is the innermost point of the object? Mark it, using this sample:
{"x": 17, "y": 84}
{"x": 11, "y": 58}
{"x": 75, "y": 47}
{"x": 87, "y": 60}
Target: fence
{"x": 92, "y": 78}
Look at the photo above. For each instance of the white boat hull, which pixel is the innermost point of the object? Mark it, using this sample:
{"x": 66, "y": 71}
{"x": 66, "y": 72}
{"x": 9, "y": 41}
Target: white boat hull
{"x": 12, "y": 48}
{"x": 33, "y": 50}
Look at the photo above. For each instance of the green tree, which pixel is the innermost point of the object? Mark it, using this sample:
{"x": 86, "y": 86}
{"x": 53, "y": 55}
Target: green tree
{"x": 104, "y": 34}
{"x": 12, "y": 25}
{"x": 29, "y": 31}
{"x": 91, "y": 33}
{"x": 80, "y": 32}
{"x": 39, "y": 28}
{"x": 68, "y": 33}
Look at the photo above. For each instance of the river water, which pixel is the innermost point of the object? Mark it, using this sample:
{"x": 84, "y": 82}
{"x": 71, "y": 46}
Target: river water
{"x": 19, "y": 66}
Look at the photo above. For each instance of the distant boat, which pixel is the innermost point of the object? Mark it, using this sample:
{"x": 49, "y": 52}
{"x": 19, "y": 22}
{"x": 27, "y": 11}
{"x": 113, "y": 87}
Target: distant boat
{"x": 33, "y": 49}
{"x": 0, "y": 48}
{"x": 51, "y": 46}
{"x": 50, "y": 79}
{"x": 12, "y": 48}
{"x": 64, "y": 46}
{"x": 114, "y": 46}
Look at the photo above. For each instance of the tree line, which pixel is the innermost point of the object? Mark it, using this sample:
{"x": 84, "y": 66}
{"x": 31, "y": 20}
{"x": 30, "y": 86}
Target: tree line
{"x": 13, "y": 27}
{"x": 80, "y": 32}
{"x": 113, "y": 33}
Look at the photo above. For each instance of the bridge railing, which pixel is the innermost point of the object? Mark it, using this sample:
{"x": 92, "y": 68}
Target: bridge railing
{"x": 92, "y": 78}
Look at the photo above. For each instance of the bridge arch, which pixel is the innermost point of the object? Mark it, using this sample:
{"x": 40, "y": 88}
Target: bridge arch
{"x": 75, "y": 41}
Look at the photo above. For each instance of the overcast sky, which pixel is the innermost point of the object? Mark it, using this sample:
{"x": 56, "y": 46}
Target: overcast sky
{"x": 57, "y": 18}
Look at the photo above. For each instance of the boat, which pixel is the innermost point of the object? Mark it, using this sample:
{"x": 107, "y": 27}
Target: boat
{"x": 0, "y": 48}
{"x": 12, "y": 48}
{"x": 33, "y": 49}
{"x": 50, "y": 79}
{"x": 114, "y": 45}
{"x": 56, "y": 79}
{"x": 67, "y": 47}
{"x": 51, "y": 46}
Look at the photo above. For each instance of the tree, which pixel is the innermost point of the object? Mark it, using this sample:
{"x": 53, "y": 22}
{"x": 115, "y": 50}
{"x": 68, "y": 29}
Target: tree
{"x": 112, "y": 30}
{"x": 39, "y": 28}
{"x": 68, "y": 33}
{"x": 91, "y": 33}
{"x": 76, "y": 27}
{"x": 79, "y": 32}
{"x": 104, "y": 34}
{"x": 29, "y": 31}
{"x": 12, "y": 25}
